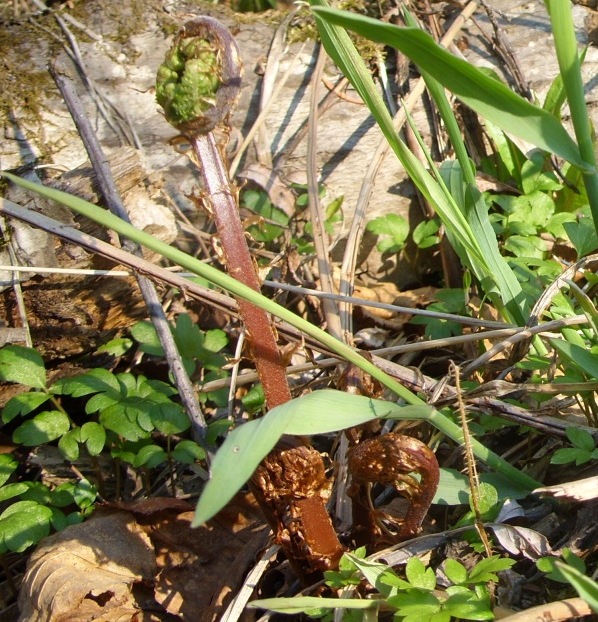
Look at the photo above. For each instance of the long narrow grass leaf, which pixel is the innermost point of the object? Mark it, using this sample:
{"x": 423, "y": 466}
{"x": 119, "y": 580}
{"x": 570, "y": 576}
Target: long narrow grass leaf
{"x": 319, "y": 413}
{"x": 488, "y": 97}
{"x": 379, "y": 408}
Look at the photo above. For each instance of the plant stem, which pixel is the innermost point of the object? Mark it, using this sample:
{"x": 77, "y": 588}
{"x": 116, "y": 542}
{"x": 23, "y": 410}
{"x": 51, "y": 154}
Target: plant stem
{"x": 260, "y": 333}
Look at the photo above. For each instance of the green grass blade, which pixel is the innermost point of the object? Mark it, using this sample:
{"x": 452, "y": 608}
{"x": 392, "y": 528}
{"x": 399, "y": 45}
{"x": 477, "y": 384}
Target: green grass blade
{"x": 342, "y": 51}
{"x": 565, "y": 43}
{"x": 462, "y": 237}
{"x": 576, "y": 355}
{"x": 586, "y": 588}
{"x": 287, "y": 421}
{"x": 300, "y": 604}
{"x": 318, "y": 413}
{"x": 438, "y": 95}
{"x": 217, "y": 277}
{"x": 488, "y": 97}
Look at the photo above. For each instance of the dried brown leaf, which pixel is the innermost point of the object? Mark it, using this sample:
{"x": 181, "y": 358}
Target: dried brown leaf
{"x": 87, "y": 568}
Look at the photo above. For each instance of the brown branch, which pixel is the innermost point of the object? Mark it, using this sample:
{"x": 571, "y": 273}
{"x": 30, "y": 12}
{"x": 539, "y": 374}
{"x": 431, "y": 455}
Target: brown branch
{"x": 114, "y": 203}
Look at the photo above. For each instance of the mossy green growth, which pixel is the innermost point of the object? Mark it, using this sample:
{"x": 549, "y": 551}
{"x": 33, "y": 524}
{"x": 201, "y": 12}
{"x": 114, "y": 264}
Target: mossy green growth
{"x": 188, "y": 79}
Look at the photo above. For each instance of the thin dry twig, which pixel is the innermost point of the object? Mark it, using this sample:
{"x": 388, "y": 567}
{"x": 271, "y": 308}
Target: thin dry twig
{"x": 16, "y": 284}
{"x": 318, "y": 217}
{"x": 114, "y": 203}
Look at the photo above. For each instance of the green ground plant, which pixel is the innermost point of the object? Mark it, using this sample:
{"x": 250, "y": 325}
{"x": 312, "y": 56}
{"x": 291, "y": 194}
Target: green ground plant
{"x": 125, "y": 415}
{"x": 413, "y": 597}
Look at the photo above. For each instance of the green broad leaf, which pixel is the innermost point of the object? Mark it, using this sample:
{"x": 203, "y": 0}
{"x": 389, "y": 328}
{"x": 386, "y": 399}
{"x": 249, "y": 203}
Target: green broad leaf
{"x": 124, "y": 423}
{"x": 415, "y": 602}
{"x": 217, "y": 429}
{"x": 170, "y": 418}
{"x": 483, "y": 94}
{"x": 215, "y": 340}
{"x": 24, "y": 524}
{"x": 85, "y": 494}
{"x": 23, "y": 366}
{"x": 581, "y": 438}
{"x": 8, "y": 465}
{"x": 101, "y": 402}
{"x": 145, "y": 334}
{"x": 116, "y": 347}
{"x": 468, "y": 606}
{"x": 586, "y": 588}
{"x": 535, "y": 178}
{"x": 371, "y": 570}
{"x": 582, "y": 235}
{"x": 393, "y": 228}
{"x": 425, "y": 234}
{"x": 38, "y": 492}
{"x": 188, "y": 337}
{"x": 13, "y": 490}
{"x": 455, "y": 571}
{"x": 59, "y": 520}
{"x": 188, "y": 452}
{"x": 244, "y": 448}
{"x": 96, "y": 380}
{"x": 69, "y": 445}
{"x": 301, "y": 604}
{"x": 150, "y": 456}
{"x": 43, "y": 428}
{"x": 23, "y": 404}
{"x": 526, "y": 246}
{"x": 419, "y": 576}
{"x": 259, "y": 203}
{"x": 568, "y": 455}
{"x": 555, "y": 225}
{"x": 487, "y": 498}
{"x": 63, "y": 495}
{"x": 254, "y": 400}
{"x": 94, "y": 437}
{"x": 577, "y": 356}
{"x": 485, "y": 570}
{"x": 393, "y": 580}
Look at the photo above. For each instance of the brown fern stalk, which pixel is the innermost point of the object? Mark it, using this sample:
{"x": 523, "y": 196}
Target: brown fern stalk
{"x": 197, "y": 86}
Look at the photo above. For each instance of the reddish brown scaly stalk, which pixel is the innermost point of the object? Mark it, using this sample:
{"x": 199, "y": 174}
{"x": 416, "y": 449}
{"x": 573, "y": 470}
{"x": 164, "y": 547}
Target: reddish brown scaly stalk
{"x": 197, "y": 86}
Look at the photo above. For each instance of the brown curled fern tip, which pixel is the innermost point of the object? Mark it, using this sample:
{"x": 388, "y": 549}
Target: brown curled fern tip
{"x": 199, "y": 81}
{"x": 392, "y": 460}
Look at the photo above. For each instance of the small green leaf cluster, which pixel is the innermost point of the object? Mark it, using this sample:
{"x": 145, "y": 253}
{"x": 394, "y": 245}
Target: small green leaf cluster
{"x": 201, "y": 351}
{"x": 467, "y": 598}
{"x": 583, "y": 450}
{"x": 130, "y": 416}
{"x": 274, "y": 221}
{"x": 392, "y": 231}
{"x": 188, "y": 79}
{"x": 32, "y": 509}
{"x": 414, "y": 598}
{"x": 448, "y": 301}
